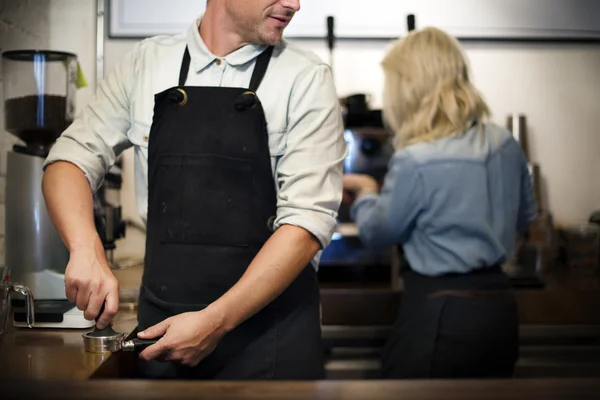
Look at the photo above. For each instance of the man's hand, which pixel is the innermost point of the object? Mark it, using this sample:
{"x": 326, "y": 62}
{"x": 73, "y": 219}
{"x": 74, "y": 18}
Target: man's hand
{"x": 190, "y": 337}
{"x": 186, "y": 338}
{"x": 89, "y": 283}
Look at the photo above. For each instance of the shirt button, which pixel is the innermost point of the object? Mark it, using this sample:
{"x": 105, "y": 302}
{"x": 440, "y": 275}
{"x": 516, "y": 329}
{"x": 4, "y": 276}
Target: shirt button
{"x": 146, "y": 138}
{"x": 218, "y": 61}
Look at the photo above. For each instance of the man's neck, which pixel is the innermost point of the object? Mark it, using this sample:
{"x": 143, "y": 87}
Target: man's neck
{"x": 218, "y": 32}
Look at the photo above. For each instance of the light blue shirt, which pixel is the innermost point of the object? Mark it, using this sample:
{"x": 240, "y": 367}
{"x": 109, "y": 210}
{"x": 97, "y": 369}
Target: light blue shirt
{"x": 454, "y": 204}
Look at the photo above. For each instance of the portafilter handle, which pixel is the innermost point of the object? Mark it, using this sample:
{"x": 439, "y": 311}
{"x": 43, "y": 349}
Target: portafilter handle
{"x": 137, "y": 344}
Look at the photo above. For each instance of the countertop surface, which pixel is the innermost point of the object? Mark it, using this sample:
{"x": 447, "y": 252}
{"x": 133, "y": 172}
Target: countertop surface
{"x": 41, "y": 353}
{"x": 58, "y": 354}
{"x": 53, "y": 353}
{"x": 348, "y": 390}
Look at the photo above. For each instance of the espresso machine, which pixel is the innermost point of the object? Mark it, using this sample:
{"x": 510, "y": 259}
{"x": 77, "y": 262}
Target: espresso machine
{"x": 39, "y": 104}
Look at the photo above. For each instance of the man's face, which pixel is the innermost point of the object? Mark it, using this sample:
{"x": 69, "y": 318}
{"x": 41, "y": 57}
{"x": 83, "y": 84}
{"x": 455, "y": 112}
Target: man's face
{"x": 262, "y": 21}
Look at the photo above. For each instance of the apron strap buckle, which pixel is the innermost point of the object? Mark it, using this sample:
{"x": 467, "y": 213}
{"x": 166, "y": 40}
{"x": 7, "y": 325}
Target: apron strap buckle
{"x": 246, "y": 101}
{"x": 178, "y": 96}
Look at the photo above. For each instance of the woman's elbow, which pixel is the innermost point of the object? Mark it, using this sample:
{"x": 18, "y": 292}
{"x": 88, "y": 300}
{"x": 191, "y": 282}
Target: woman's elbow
{"x": 371, "y": 237}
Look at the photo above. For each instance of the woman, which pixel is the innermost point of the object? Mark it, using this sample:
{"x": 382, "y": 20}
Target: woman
{"x": 456, "y": 194}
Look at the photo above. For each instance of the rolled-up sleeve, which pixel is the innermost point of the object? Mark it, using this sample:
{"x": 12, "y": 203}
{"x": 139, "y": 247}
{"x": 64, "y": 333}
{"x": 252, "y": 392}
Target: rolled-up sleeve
{"x": 309, "y": 174}
{"x": 99, "y": 133}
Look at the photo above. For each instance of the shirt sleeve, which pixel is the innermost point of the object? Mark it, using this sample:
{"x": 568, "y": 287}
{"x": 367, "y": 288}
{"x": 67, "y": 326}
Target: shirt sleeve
{"x": 528, "y": 209}
{"x": 99, "y": 133}
{"x": 387, "y": 218}
{"x": 309, "y": 173}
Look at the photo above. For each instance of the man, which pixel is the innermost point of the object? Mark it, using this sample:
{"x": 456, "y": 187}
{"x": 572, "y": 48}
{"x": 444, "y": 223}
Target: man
{"x": 229, "y": 285}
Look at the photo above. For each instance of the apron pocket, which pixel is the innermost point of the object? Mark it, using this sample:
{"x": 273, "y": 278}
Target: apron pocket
{"x": 204, "y": 199}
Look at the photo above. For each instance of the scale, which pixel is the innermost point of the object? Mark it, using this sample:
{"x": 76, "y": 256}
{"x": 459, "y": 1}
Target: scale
{"x": 49, "y": 312}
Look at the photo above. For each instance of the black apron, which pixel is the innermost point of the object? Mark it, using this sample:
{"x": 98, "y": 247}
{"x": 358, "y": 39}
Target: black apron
{"x": 454, "y": 326}
{"x": 211, "y": 205}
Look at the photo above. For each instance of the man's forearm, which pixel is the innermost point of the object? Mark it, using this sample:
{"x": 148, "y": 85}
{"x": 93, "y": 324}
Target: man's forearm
{"x": 70, "y": 205}
{"x": 88, "y": 281}
{"x": 279, "y": 262}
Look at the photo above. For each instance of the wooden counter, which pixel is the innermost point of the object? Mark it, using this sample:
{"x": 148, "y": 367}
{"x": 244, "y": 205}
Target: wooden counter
{"x": 42, "y": 354}
{"x": 53, "y": 353}
{"x": 58, "y": 353}
{"x": 347, "y": 390}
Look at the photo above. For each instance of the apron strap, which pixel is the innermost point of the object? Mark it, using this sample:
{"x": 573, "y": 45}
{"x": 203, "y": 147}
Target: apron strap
{"x": 185, "y": 67}
{"x": 262, "y": 62}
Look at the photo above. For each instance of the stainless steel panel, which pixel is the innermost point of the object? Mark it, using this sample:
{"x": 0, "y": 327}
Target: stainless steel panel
{"x": 35, "y": 253}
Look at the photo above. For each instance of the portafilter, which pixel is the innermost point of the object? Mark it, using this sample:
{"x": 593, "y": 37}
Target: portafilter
{"x": 107, "y": 340}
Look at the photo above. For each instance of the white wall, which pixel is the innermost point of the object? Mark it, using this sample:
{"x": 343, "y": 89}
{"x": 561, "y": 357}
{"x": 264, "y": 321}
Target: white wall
{"x": 557, "y": 86}
{"x": 72, "y": 28}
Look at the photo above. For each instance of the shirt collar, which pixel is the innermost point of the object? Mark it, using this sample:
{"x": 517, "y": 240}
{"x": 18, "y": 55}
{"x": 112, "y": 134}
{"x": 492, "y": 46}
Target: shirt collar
{"x": 202, "y": 57}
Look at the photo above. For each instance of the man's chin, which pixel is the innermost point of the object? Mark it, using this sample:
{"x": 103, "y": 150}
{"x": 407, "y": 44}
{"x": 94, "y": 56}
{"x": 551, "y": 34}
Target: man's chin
{"x": 272, "y": 38}
{"x": 271, "y": 42}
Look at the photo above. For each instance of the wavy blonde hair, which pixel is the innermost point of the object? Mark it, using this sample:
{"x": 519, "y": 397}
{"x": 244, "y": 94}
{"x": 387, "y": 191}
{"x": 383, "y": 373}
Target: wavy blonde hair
{"x": 428, "y": 94}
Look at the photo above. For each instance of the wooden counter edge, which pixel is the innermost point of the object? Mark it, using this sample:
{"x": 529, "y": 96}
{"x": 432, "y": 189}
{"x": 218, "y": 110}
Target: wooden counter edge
{"x": 405, "y": 389}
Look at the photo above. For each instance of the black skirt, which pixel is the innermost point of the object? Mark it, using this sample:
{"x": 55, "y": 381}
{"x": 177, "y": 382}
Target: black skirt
{"x": 454, "y": 326}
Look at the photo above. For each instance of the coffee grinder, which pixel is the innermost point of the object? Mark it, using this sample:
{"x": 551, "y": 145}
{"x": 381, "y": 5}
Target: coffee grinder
{"x": 39, "y": 104}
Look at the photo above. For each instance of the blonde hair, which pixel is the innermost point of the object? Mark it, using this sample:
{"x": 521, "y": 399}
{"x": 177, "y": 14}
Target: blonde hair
{"x": 428, "y": 94}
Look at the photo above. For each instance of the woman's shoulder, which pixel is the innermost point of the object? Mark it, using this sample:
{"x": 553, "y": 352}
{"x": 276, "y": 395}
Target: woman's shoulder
{"x": 475, "y": 144}
{"x": 497, "y": 133}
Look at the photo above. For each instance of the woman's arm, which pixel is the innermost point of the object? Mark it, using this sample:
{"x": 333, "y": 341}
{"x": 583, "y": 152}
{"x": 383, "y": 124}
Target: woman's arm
{"x": 387, "y": 218}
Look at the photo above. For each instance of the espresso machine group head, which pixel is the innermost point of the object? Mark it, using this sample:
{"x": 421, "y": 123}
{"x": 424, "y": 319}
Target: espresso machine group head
{"x": 39, "y": 104}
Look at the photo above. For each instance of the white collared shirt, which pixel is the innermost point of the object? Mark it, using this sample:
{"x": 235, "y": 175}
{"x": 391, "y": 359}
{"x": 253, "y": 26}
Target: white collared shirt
{"x": 298, "y": 95}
